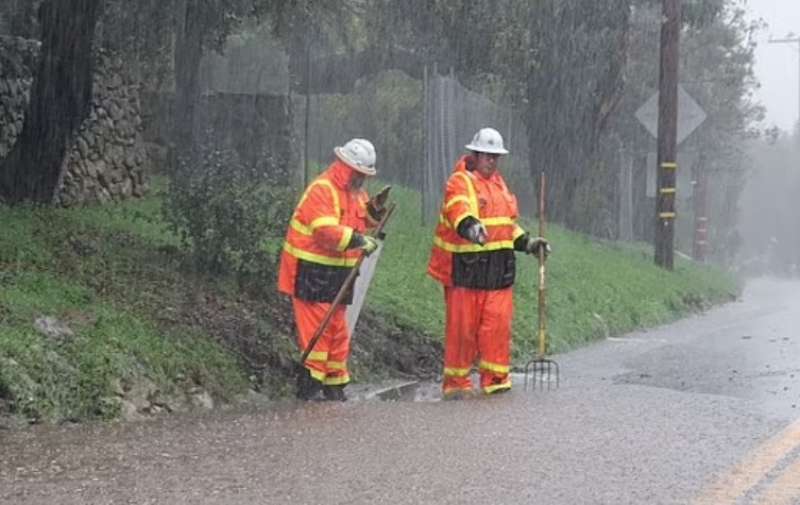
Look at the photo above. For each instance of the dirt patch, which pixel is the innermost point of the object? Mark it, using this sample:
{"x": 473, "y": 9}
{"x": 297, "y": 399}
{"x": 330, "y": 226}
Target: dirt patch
{"x": 256, "y": 326}
{"x": 382, "y": 343}
{"x": 258, "y": 332}
{"x": 263, "y": 335}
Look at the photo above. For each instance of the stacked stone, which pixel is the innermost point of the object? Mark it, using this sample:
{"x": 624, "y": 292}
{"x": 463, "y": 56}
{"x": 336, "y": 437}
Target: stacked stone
{"x": 17, "y": 61}
{"x": 106, "y": 161}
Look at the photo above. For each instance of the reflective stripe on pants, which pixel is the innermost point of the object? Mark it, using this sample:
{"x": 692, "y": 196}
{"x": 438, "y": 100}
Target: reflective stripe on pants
{"x": 478, "y": 326}
{"x": 328, "y": 361}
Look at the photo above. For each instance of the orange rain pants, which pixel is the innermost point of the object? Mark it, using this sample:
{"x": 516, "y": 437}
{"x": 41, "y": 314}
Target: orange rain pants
{"x": 327, "y": 362}
{"x": 478, "y": 327}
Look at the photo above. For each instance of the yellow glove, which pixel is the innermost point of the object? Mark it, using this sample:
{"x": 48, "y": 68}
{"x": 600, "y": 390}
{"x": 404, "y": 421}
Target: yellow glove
{"x": 364, "y": 242}
{"x": 369, "y": 246}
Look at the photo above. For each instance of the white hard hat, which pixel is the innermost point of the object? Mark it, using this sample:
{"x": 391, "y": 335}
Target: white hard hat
{"x": 487, "y": 140}
{"x": 359, "y": 154}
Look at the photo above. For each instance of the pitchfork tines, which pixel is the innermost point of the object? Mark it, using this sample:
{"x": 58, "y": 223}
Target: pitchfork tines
{"x": 542, "y": 370}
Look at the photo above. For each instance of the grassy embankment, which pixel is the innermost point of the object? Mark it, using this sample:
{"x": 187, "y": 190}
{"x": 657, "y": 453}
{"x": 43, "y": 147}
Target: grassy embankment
{"x": 114, "y": 276}
{"x": 594, "y": 287}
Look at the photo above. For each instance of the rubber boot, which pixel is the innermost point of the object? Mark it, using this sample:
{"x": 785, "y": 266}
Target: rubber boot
{"x": 497, "y": 381}
{"x": 307, "y": 386}
{"x": 458, "y": 394}
{"x": 334, "y": 393}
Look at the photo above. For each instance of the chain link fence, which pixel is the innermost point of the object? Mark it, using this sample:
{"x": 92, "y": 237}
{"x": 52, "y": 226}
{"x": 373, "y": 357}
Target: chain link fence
{"x": 419, "y": 130}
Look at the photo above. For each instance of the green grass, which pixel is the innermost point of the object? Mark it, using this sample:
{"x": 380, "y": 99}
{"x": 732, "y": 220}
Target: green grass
{"x": 141, "y": 218}
{"x": 72, "y": 377}
{"x": 593, "y": 287}
{"x": 78, "y": 266}
{"x": 116, "y": 276}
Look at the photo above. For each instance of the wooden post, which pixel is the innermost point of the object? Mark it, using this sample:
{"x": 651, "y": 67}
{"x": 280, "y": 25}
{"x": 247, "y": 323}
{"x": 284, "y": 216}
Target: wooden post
{"x": 700, "y": 183}
{"x": 667, "y": 134}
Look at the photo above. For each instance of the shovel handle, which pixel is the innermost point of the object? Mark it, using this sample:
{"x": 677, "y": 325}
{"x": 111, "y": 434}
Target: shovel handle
{"x": 349, "y": 280}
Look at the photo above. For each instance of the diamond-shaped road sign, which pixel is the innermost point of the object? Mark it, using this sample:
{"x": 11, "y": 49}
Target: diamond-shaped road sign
{"x": 690, "y": 115}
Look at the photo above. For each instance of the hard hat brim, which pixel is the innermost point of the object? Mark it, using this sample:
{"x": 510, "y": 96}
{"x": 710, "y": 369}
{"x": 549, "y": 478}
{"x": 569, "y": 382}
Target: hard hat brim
{"x": 352, "y": 164}
{"x": 487, "y": 150}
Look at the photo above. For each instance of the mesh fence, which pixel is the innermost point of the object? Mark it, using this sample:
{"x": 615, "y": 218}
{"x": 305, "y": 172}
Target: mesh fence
{"x": 419, "y": 130}
{"x": 453, "y": 114}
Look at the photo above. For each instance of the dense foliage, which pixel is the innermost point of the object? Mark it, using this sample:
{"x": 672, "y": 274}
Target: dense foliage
{"x": 574, "y": 71}
{"x": 226, "y": 213}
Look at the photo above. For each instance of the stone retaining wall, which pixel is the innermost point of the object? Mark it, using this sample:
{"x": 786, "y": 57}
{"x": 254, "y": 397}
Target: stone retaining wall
{"x": 107, "y": 160}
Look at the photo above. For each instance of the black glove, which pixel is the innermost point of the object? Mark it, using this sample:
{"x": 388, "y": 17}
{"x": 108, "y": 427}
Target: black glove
{"x": 532, "y": 245}
{"x": 377, "y": 204}
{"x": 473, "y": 230}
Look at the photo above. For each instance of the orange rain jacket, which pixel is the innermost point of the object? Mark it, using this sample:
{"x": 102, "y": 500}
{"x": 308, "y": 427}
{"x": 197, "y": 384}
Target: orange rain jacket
{"x": 455, "y": 261}
{"x": 315, "y": 259}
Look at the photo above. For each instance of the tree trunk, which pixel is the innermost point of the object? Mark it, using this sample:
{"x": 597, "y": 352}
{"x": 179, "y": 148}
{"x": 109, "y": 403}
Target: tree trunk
{"x": 572, "y": 90}
{"x": 60, "y": 100}
{"x": 188, "y": 52}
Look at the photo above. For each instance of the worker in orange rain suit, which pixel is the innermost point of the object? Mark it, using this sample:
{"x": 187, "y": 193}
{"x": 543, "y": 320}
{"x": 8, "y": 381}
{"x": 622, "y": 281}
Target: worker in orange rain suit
{"x": 326, "y": 235}
{"x": 473, "y": 258}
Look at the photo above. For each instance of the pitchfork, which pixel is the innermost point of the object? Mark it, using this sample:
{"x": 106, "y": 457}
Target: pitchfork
{"x": 541, "y": 368}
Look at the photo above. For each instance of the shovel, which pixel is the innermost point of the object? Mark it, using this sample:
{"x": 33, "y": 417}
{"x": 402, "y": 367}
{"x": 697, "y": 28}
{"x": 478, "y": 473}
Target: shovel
{"x": 541, "y": 368}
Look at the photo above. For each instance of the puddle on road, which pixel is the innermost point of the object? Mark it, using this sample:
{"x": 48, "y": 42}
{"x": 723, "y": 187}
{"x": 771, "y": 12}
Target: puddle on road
{"x": 410, "y": 391}
{"x": 414, "y": 391}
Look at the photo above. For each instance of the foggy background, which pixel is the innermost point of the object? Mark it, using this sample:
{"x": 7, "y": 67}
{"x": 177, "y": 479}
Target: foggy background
{"x": 769, "y": 232}
{"x": 267, "y": 89}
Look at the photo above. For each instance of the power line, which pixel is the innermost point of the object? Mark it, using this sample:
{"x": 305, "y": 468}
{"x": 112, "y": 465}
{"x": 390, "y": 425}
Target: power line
{"x": 792, "y": 40}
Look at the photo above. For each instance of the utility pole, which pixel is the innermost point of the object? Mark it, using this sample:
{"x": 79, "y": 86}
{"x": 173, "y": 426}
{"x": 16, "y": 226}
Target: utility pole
{"x": 792, "y": 40}
{"x": 667, "y": 133}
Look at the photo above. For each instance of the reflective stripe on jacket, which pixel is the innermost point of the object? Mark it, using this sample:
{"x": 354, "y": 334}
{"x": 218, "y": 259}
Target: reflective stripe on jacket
{"x": 490, "y": 266}
{"x": 315, "y": 249}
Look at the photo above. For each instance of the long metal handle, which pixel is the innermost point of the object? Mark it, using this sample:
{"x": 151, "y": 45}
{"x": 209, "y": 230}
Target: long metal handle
{"x": 542, "y": 259}
{"x": 351, "y": 277}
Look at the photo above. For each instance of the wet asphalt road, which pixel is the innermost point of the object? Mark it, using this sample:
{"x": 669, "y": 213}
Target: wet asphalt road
{"x": 704, "y": 411}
